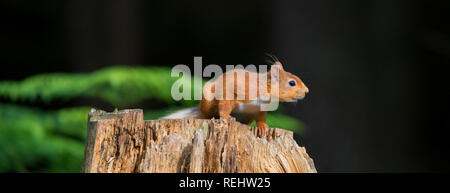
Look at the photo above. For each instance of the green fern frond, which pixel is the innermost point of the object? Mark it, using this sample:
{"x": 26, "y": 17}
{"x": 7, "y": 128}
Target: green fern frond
{"x": 33, "y": 140}
{"x": 120, "y": 86}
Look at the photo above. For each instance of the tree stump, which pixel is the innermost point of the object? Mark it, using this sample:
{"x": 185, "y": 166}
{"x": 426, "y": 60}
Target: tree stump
{"x": 122, "y": 141}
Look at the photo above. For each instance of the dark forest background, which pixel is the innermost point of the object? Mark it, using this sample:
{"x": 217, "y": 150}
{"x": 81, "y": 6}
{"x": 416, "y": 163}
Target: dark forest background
{"x": 377, "y": 70}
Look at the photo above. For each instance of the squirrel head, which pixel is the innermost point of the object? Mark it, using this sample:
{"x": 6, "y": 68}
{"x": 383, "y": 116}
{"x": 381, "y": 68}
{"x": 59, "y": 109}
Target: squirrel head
{"x": 291, "y": 87}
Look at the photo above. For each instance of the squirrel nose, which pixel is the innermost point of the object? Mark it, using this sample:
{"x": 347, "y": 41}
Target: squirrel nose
{"x": 306, "y": 89}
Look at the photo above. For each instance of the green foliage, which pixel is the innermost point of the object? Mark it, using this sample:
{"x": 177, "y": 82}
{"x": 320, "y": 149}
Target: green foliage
{"x": 40, "y": 141}
{"x": 119, "y": 86}
{"x": 37, "y": 140}
{"x": 278, "y": 120}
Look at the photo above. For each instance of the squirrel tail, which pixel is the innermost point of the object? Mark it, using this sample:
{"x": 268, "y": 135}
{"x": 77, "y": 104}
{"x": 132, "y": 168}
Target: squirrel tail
{"x": 189, "y": 113}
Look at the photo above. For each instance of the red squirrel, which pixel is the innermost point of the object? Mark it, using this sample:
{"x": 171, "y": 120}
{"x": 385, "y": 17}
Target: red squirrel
{"x": 246, "y": 109}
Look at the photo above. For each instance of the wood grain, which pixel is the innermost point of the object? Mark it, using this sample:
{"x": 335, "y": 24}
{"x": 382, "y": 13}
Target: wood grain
{"x": 123, "y": 142}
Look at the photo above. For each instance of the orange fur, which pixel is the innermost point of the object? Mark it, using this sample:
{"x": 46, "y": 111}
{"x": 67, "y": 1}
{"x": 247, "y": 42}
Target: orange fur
{"x": 224, "y": 108}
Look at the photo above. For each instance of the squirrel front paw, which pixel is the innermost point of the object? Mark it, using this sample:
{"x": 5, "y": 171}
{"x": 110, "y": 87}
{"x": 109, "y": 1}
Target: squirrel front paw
{"x": 261, "y": 129}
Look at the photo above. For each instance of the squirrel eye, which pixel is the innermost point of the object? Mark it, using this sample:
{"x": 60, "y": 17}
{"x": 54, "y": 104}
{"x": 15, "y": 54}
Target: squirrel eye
{"x": 292, "y": 83}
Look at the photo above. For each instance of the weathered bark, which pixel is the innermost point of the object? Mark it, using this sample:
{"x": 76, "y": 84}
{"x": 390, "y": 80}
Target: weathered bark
{"x": 123, "y": 142}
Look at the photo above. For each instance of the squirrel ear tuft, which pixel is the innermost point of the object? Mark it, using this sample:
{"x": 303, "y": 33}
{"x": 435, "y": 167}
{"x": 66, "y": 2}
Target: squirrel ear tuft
{"x": 278, "y": 65}
{"x": 273, "y": 60}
